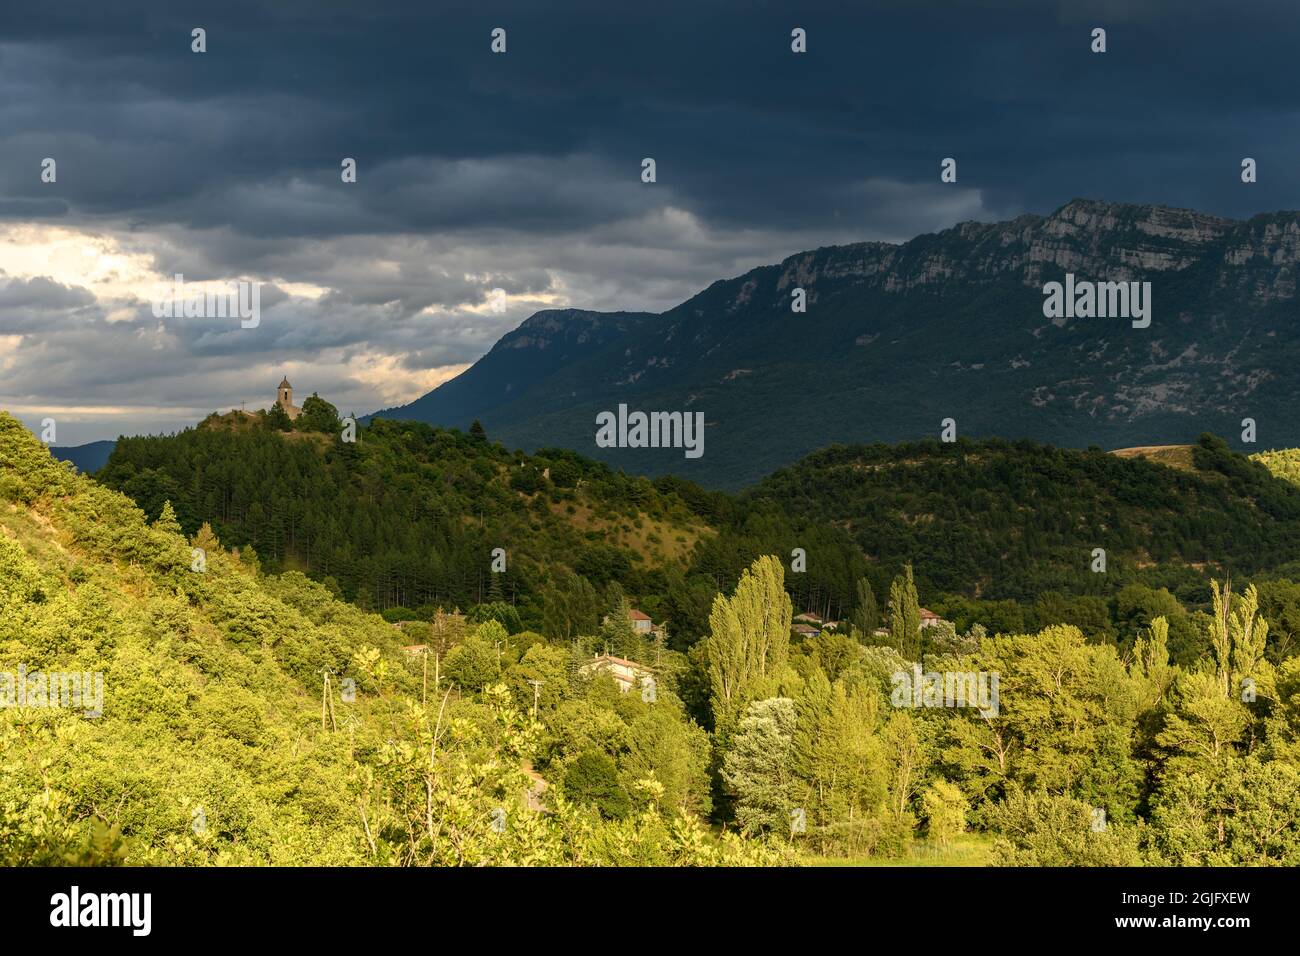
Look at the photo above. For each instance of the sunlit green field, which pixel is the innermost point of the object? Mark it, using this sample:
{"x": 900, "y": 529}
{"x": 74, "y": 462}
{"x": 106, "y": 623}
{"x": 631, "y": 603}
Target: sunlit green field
{"x": 966, "y": 851}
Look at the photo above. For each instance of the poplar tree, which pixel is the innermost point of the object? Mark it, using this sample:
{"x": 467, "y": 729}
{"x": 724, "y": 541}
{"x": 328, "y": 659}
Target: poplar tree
{"x": 866, "y": 616}
{"x": 905, "y": 616}
{"x": 749, "y": 640}
{"x": 1237, "y": 637}
{"x": 1151, "y": 660}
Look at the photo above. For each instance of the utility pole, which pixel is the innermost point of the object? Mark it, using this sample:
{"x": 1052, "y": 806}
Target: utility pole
{"x": 537, "y": 687}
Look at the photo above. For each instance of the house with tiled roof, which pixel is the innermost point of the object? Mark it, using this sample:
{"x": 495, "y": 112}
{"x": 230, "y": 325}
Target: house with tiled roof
{"x": 930, "y": 619}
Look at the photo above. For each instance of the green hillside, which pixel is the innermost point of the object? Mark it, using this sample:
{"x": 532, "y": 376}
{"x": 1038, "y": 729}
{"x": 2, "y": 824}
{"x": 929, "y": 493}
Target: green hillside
{"x": 407, "y": 518}
{"x": 996, "y": 519}
{"x": 409, "y": 515}
{"x": 212, "y": 744}
{"x": 252, "y": 718}
{"x": 1284, "y": 463}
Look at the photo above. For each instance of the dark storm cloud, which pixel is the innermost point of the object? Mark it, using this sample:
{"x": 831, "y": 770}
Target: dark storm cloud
{"x": 549, "y": 136}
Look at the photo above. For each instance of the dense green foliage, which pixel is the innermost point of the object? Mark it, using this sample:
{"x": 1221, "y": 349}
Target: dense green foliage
{"x": 999, "y": 533}
{"x": 256, "y": 719}
{"x": 995, "y": 519}
{"x": 253, "y": 717}
{"x": 407, "y": 515}
{"x": 1086, "y": 757}
{"x": 1283, "y": 463}
{"x": 1146, "y": 715}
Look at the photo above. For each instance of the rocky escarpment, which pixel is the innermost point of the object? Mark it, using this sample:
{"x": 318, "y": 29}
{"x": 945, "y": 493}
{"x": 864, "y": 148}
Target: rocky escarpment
{"x": 1105, "y": 241}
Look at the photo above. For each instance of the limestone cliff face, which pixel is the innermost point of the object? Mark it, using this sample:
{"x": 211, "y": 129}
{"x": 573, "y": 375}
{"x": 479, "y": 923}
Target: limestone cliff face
{"x": 1099, "y": 240}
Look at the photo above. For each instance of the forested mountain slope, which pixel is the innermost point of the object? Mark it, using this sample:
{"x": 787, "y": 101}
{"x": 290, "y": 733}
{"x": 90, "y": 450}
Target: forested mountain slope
{"x": 898, "y": 337}
{"x": 409, "y": 515}
{"x": 1013, "y": 519}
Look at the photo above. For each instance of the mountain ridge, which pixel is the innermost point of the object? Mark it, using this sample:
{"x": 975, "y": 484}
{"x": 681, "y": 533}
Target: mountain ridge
{"x": 898, "y": 337}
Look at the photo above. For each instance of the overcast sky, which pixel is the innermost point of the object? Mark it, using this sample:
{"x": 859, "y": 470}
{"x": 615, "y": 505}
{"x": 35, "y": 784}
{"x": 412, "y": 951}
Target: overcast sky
{"x": 521, "y": 171}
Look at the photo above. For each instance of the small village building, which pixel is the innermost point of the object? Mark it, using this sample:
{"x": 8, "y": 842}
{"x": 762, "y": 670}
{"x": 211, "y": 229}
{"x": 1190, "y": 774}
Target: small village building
{"x": 642, "y": 624}
{"x": 930, "y": 619}
{"x": 627, "y": 674}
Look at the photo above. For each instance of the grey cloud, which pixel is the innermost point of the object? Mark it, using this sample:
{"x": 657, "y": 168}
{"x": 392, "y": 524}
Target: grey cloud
{"x": 521, "y": 172}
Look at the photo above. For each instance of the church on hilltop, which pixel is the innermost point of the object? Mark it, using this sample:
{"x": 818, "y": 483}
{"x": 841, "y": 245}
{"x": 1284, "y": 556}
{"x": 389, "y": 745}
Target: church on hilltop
{"x": 284, "y": 398}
